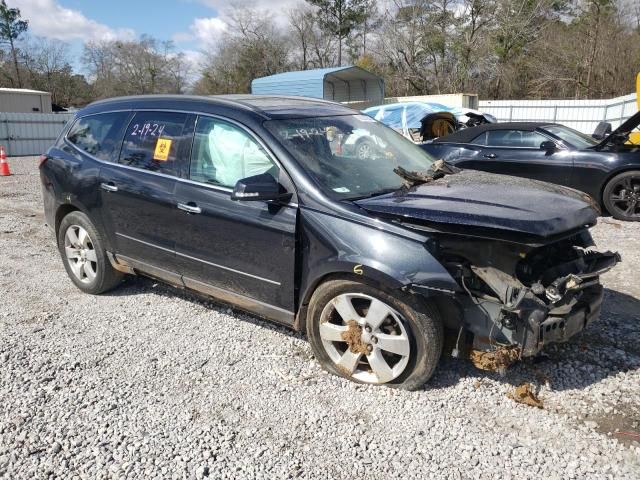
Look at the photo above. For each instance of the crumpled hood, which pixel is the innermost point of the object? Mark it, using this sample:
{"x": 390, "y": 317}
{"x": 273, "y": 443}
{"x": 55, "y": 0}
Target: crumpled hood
{"x": 481, "y": 199}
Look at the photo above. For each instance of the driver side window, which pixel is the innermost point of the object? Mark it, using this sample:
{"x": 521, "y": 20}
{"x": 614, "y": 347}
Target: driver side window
{"x": 222, "y": 154}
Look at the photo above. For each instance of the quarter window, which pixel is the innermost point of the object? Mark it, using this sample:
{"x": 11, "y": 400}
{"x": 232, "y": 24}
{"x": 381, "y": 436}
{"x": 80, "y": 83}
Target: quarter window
{"x": 514, "y": 138}
{"x": 480, "y": 139}
{"x": 99, "y": 135}
{"x": 222, "y": 154}
{"x": 155, "y": 141}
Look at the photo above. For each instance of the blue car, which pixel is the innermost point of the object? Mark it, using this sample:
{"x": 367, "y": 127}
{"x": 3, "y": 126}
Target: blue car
{"x": 424, "y": 121}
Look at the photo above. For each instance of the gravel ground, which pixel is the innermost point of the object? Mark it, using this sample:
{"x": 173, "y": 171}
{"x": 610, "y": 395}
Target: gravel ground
{"x": 152, "y": 381}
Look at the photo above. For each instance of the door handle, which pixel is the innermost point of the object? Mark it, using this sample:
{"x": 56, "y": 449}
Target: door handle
{"x": 490, "y": 155}
{"x": 108, "y": 187}
{"x": 189, "y": 208}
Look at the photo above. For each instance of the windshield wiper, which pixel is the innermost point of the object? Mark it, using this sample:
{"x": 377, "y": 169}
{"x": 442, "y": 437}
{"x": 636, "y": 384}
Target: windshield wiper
{"x": 373, "y": 194}
{"x": 439, "y": 169}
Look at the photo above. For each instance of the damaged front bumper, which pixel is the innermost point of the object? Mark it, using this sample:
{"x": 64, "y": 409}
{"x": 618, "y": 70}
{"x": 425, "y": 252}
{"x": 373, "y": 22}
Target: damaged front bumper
{"x": 533, "y": 316}
{"x": 522, "y": 298}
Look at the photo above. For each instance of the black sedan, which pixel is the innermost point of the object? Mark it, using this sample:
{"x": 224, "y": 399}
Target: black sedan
{"x": 607, "y": 169}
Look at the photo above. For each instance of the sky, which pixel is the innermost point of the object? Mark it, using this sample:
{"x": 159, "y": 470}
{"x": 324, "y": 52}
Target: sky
{"x": 191, "y": 24}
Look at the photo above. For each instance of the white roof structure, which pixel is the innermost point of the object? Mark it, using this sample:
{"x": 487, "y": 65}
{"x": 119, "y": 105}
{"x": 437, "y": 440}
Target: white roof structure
{"x": 21, "y": 90}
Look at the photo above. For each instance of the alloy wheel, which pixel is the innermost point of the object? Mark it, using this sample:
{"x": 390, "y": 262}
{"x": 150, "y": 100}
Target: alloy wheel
{"x": 364, "y": 151}
{"x": 81, "y": 254}
{"x": 625, "y": 196}
{"x": 365, "y": 338}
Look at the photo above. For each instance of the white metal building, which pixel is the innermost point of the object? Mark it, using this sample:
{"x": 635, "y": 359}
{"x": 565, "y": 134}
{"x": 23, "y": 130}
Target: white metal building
{"x": 22, "y": 100}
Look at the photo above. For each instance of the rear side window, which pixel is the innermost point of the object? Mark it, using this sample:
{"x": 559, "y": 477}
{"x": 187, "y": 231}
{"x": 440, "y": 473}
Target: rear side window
{"x": 514, "y": 138}
{"x": 480, "y": 139}
{"x": 99, "y": 135}
{"x": 156, "y": 141}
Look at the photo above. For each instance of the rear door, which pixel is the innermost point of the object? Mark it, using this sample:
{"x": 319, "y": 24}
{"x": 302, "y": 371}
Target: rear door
{"x": 139, "y": 191}
{"x": 92, "y": 141}
{"x": 243, "y": 247}
{"x": 518, "y": 153}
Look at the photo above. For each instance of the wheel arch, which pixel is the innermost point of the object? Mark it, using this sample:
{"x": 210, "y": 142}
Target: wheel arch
{"x": 61, "y": 212}
{"x": 612, "y": 175}
{"x": 383, "y": 257}
{"x": 371, "y": 277}
{"x": 65, "y": 209}
{"x": 378, "y": 280}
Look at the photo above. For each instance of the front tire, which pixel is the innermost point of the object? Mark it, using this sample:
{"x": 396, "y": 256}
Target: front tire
{"x": 371, "y": 336}
{"x": 621, "y": 196}
{"x": 84, "y": 256}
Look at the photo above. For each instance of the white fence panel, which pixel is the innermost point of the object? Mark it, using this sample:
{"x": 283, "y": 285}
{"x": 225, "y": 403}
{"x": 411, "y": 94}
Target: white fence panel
{"x": 583, "y": 115}
{"x": 30, "y": 133}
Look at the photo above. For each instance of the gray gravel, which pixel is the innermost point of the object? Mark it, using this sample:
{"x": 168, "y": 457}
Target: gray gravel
{"x": 151, "y": 381}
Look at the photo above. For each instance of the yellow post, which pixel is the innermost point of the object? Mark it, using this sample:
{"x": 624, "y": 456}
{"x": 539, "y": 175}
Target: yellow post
{"x": 638, "y": 90}
{"x": 634, "y": 138}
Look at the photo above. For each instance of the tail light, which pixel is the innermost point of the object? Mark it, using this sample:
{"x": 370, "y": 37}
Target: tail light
{"x": 42, "y": 160}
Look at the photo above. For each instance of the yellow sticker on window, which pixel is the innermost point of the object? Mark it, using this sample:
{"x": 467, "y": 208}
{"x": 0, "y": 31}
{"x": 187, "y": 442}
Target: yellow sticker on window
{"x": 163, "y": 146}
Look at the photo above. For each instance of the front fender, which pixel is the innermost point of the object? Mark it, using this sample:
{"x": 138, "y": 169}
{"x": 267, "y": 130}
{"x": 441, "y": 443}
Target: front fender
{"x": 332, "y": 245}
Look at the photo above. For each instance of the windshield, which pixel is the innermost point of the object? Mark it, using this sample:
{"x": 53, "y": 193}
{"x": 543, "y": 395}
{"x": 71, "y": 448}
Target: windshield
{"x": 350, "y": 156}
{"x": 571, "y": 136}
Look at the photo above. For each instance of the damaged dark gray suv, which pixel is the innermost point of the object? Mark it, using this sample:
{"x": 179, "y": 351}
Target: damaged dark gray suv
{"x": 259, "y": 202}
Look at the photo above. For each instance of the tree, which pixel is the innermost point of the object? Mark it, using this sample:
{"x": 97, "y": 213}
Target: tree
{"x": 357, "y": 41}
{"x": 48, "y": 64}
{"x": 496, "y": 48}
{"x": 11, "y": 27}
{"x": 418, "y": 41}
{"x": 311, "y": 46}
{"x": 252, "y": 47}
{"x": 141, "y": 66}
{"x": 340, "y": 18}
{"x": 594, "y": 54}
{"x": 469, "y": 42}
{"x": 517, "y": 24}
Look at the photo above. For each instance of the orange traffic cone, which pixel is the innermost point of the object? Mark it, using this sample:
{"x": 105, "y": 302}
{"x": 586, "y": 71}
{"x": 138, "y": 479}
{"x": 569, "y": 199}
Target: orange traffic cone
{"x": 4, "y": 165}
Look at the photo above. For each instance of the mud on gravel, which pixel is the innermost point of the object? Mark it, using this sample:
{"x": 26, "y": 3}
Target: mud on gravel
{"x": 152, "y": 382}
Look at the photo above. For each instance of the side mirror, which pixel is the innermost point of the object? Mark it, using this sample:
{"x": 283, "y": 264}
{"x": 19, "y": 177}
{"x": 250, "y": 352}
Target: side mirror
{"x": 548, "y": 146}
{"x": 259, "y": 187}
{"x": 603, "y": 129}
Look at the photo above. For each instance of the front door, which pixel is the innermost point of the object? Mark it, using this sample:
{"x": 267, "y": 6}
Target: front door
{"x": 138, "y": 192}
{"x": 246, "y": 248}
{"x": 518, "y": 153}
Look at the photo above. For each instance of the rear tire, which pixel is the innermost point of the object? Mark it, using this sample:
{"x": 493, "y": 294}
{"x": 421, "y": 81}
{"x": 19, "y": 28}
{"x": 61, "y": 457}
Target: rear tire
{"x": 371, "y": 336}
{"x": 84, "y": 256}
{"x": 621, "y": 196}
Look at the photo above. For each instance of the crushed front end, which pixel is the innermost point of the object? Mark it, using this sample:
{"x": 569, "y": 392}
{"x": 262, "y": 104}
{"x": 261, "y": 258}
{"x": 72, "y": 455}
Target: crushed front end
{"x": 518, "y": 297}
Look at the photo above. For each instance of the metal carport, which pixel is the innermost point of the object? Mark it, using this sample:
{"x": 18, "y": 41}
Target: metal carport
{"x": 340, "y": 84}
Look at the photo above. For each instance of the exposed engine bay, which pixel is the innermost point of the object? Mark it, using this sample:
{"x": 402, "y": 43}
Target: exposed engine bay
{"x": 525, "y": 295}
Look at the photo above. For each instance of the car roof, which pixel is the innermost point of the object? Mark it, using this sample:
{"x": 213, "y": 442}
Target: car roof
{"x": 466, "y": 135}
{"x": 430, "y": 105}
{"x": 266, "y": 107}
